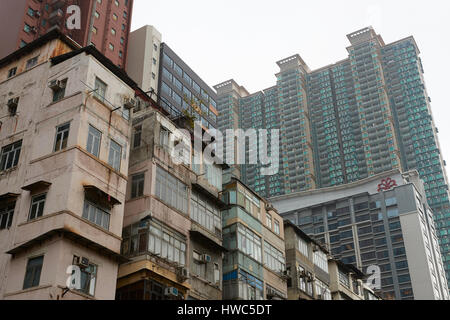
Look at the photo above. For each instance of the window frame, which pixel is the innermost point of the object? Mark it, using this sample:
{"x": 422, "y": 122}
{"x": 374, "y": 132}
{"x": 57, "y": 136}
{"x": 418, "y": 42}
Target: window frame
{"x": 61, "y": 142}
{"x": 16, "y": 148}
{"x": 38, "y": 203}
{"x": 36, "y": 272}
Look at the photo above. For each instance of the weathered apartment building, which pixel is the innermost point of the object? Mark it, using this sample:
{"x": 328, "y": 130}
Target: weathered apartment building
{"x": 64, "y": 133}
{"x": 173, "y": 223}
{"x": 105, "y": 24}
{"x": 313, "y": 274}
{"x": 254, "y": 267}
{"x": 348, "y": 282}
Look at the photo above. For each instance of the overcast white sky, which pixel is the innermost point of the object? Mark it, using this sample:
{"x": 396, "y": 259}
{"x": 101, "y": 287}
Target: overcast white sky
{"x": 242, "y": 39}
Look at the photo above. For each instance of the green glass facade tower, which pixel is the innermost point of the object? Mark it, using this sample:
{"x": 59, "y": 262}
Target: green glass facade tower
{"x": 364, "y": 115}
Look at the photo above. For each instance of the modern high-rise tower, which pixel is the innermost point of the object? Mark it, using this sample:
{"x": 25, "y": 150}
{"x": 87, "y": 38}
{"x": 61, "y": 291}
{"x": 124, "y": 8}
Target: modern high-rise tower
{"x": 105, "y": 24}
{"x": 364, "y": 115}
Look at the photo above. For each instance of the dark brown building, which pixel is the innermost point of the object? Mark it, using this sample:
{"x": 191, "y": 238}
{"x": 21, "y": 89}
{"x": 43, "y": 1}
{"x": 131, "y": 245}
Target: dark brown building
{"x": 104, "y": 23}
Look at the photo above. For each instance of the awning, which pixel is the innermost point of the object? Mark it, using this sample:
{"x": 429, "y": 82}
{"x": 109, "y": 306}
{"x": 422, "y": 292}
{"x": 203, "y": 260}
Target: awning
{"x": 8, "y": 196}
{"x": 99, "y": 196}
{"x": 68, "y": 234}
{"x": 37, "y": 185}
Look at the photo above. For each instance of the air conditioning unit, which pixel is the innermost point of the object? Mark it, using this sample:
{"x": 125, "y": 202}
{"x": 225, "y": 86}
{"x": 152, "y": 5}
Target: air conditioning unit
{"x": 284, "y": 274}
{"x": 182, "y": 273}
{"x": 82, "y": 262}
{"x": 56, "y": 85}
{"x": 13, "y": 103}
{"x": 171, "y": 291}
{"x": 206, "y": 258}
{"x": 303, "y": 274}
{"x": 129, "y": 103}
{"x": 37, "y": 14}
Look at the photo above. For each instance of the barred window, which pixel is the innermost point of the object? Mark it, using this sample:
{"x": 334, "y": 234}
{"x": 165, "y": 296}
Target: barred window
{"x": 303, "y": 247}
{"x": 321, "y": 260}
{"x": 205, "y": 213}
{"x": 273, "y": 258}
{"x": 249, "y": 242}
{"x": 171, "y": 191}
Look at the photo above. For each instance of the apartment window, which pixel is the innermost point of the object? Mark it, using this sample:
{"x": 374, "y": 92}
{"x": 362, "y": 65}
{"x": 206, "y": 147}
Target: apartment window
{"x": 115, "y": 153}
{"x": 273, "y": 258}
{"x": 6, "y": 215}
{"x": 277, "y": 227}
{"x": 171, "y": 191}
{"x": 155, "y": 47}
{"x": 167, "y": 60}
{"x": 97, "y": 15}
{"x": 10, "y": 156}
{"x": 206, "y": 213}
{"x": 93, "y": 141}
{"x": 249, "y": 242}
{"x": 303, "y": 247}
{"x": 111, "y": 47}
{"x": 168, "y": 245}
{"x": 199, "y": 268}
{"x": 122, "y": 40}
{"x": 100, "y": 89}
{"x": 88, "y": 278}
{"x": 12, "y": 72}
{"x": 33, "y": 272}
{"x": 404, "y": 278}
{"x": 123, "y": 27}
{"x": 32, "y": 62}
{"x": 216, "y": 274}
{"x": 115, "y": 17}
{"x": 344, "y": 279}
{"x": 392, "y": 212}
{"x": 22, "y": 43}
{"x": 59, "y": 93}
{"x": 116, "y": 3}
{"x": 62, "y": 136}
{"x": 154, "y": 238}
{"x": 391, "y": 202}
{"x": 96, "y": 214}
{"x": 178, "y": 69}
{"x": 113, "y": 31}
{"x": 137, "y": 136}
{"x": 269, "y": 221}
{"x": 137, "y": 185}
{"x": 154, "y": 61}
{"x": 26, "y": 28}
{"x": 94, "y": 30}
{"x": 196, "y": 86}
{"x": 164, "y": 135}
{"x": 37, "y": 206}
{"x": 321, "y": 260}
{"x": 30, "y": 12}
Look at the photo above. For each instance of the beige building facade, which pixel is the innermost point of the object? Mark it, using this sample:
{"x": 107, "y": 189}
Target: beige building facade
{"x": 64, "y": 165}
